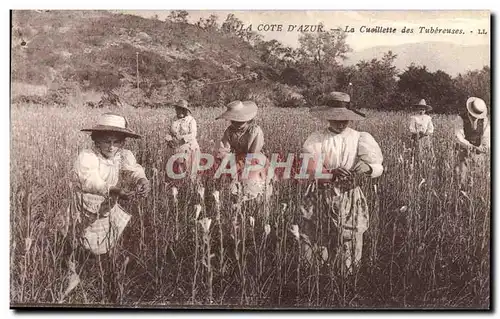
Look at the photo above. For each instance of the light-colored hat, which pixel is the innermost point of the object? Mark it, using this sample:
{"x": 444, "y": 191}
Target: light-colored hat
{"x": 477, "y": 107}
{"x": 240, "y": 111}
{"x": 338, "y": 96}
{"x": 422, "y": 105}
{"x": 336, "y": 112}
{"x": 183, "y": 104}
{"x": 111, "y": 122}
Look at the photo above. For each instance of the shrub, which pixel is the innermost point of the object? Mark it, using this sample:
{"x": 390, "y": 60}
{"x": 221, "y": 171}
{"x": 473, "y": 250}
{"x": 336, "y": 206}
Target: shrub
{"x": 287, "y": 96}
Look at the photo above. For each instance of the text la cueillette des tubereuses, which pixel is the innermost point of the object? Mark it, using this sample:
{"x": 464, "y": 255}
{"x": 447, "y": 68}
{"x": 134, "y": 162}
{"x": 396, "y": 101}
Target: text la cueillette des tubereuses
{"x": 347, "y": 29}
{"x": 420, "y": 29}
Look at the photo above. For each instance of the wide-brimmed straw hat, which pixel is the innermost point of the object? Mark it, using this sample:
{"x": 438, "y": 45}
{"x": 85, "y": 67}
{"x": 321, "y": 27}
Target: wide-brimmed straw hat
{"x": 334, "y": 111}
{"x": 240, "y": 111}
{"x": 183, "y": 104}
{"x": 111, "y": 122}
{"x": 422, "y": 105}
{"x": 477, "y": 107}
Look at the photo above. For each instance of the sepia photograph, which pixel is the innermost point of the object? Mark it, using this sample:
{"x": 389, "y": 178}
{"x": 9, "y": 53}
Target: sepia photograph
{"x": 250, "y": 159}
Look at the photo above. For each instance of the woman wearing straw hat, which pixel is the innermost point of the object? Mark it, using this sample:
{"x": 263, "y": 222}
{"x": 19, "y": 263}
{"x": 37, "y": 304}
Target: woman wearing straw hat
{"x": 102, "y": 175}
{"x": 421, "y": 128}
{"x": 473, "y": 136}
{"x": 182, "y": 137}
{"x": 348, "y": 155}
{"x": 242, "y": 138}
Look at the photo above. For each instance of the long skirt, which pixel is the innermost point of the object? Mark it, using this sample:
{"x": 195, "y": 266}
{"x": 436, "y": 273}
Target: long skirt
{"x": 90, "y": 243}
{"x": 335, "y": 220}
{"x": 252, "y": 186}
{"x": 423, "y": 150}
{"x": 186, "y": 164}
{"x": 103, "y": 234}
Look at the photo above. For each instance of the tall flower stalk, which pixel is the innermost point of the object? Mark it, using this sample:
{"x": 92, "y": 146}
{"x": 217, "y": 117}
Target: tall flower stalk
{"x": 205, "y": 223}
{"x": 175, "y": 192}
{"x": 216, "y": 195}
{"x": 196, "y": 249}
{"x": 296, "y": 235}
{"x": 267, "y": 231}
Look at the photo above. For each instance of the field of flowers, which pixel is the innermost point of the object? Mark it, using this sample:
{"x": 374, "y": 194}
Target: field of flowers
{"x": 428, "y": 244}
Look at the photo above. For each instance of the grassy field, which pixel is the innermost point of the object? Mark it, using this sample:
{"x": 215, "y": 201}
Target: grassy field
{"x": 428, "y": 244}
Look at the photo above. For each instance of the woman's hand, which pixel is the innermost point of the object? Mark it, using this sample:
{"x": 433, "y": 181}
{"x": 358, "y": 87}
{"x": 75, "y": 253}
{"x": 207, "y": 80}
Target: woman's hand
{"x": 341, "y": 174}
{"x": 362, "y": 168}
{"x": 143, "y": 187}
{"x": 481, "y": 149}
{"x": 172, "y": 141}
{"x": 222, "y": 151}
{"x": 120, "y": 193}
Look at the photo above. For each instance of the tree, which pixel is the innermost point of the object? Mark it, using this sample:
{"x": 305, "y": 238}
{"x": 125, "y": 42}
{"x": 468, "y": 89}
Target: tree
{"x": 475, "y": 83}
{"x": 209, "y": 24}
{"x": 292, "y": 76}
{"x": 232, "y": 24}
{"x": 178, "y": 16}
{"x": 437, "y": 88}
{"x": 371, "y": 84}
{"x": 444, "y": 92}
{"x": 275, "y": 53}
{"x": 318, "y": 57}
{"x": 251, "y": 37}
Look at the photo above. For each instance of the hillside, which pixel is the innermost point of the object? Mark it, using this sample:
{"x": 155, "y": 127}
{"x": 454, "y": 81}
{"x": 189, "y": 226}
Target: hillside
{"x": 434, "y": 55}
{"x": 98, "y": 51}
{"x": 94, "y": 58}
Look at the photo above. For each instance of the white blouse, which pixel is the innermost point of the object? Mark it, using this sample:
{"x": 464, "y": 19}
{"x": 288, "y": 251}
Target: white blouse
{"x": 421, "y": 124}
{"x": 95, "y": 175}
{"x": 185, "y": 128}
{"x": 346, "y": 149}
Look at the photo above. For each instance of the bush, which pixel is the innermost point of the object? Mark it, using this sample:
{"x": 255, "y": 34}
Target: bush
{"x": 287, "y": 96}
{"x": 29, "y": 99}
{"x": 292, "y": 76}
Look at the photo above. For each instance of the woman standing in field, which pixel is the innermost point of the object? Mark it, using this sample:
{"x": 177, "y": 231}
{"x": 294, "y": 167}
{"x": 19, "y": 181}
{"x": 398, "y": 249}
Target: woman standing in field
{"x": 245, "y": 139}
{"x": 473, "y": 137}
{"x": 422, "y": 128}
{"x": 182, "y": 137}
{"x": 348, "y": 155}
{"x": 102, "y": 175}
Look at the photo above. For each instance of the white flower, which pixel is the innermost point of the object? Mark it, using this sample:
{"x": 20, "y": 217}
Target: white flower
{"x": 283, "y": 207}
{"x": 403, "y": 209}
{"x": 267, "y": 229}
{"x": 125, "y": 263}
{"x": 252, "y": 221}
{"x": 421, "y": 183}
{"x": 216, "y": 195}
{"x": 27, "y": 243}
{"x": 295, "y": 231}
{"x": 205, "y": 224}
{"x": 324, "y": 254}
{"x": 74, "y": 280}
{"x": 307, "y": 213}
{"x": 175, "y": 192}
{"x": 234, "y": 221}
{"x": 201, "y": 192}
{"x": 198, "y": 210}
